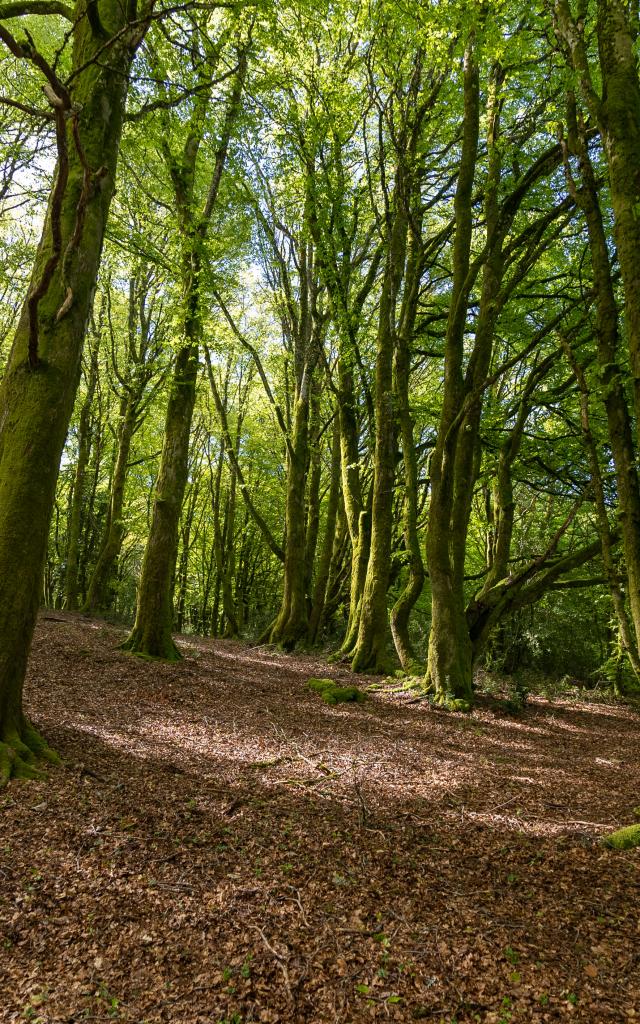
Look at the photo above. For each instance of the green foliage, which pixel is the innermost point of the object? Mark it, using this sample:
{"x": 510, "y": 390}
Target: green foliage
{"x": 297, "y": 254}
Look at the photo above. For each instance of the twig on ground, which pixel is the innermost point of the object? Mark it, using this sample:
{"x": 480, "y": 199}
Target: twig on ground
{"x": 281, "y": 962}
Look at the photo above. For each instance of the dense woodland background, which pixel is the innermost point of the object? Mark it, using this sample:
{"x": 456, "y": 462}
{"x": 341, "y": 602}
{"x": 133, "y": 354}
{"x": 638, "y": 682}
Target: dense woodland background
{"x": 361, "y": 364}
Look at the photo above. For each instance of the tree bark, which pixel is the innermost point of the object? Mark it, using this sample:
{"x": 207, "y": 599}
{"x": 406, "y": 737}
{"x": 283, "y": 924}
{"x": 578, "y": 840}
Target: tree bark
{"x": 401, "y": 611}
{"x": 39, "y": 386}
{"x": 370, "y": 653}
{"x": 449, "y": 669}
{"x": 324, "y": 565}
{"x": 612, "y": 390}
{"x": 152, "y": 632}
{"x": 71, "y": 597}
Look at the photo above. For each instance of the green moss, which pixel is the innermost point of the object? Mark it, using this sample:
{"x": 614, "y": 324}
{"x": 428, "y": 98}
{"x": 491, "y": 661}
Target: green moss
{"x": 21, "y": 749}
{"x": 624, "y": 838}
{"x": 320, "y": 684}
{"x": 450, "y": 703}
{"x": 150, "y": 657}
{"x": 332, "y": 693}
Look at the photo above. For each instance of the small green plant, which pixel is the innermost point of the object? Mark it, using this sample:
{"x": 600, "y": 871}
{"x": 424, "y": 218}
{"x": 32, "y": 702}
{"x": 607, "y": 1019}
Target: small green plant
{"x": 511, "y": 955}
{"x": 505, "y": 1011}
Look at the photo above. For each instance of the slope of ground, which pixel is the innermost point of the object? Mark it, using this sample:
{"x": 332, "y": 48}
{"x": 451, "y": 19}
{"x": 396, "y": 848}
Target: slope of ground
{"x": 221, "y": 846}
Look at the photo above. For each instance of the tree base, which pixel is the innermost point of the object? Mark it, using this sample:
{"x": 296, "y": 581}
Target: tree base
{"x": 451, "y": 703}
{"x": 20, "y": 751}
{"x": 289, "y": 631}
{"x": 371, "y": 663}
{"x": 163, "y": 650}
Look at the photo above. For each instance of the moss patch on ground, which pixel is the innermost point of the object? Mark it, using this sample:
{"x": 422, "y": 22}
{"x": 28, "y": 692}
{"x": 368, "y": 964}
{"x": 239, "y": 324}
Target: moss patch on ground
{"x": 624, "y": 838}
{"x": 332, "y": 693}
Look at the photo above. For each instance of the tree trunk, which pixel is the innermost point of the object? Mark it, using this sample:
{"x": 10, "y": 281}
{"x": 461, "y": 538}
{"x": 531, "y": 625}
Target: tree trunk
{"x": 357, "y": 514}
{"x": 449, "y": 669}
{"x": 627, "y": 639}
{"x": 292, "y": 622}
{"x": 78, "y": 498}
{"x": 612, "y": 384}
{"x": 324, "y": 566}
{"x": 39, "y": 386}
{"x": 370, "y": 653}
{"x": 99, "y": 595}
{"x": 401, "y": 611}
{"x": 617, "y": 114}
{"x": 151, "y": 636}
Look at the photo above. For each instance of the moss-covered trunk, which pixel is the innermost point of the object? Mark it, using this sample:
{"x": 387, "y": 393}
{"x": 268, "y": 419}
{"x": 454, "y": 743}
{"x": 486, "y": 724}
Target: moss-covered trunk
{"x": 373, "y": 626}
{"x": 449, "y": 667}
{"x": 328, "y": 540}
{"x": 313, "y": 491}
{"x": 100, "y": 594}
{"x": 291, "y": 624}
{"x": 38, "y": 389}
{"x": 616, "y": 111}
{"x": 401, "y": 611}
{"x": 152, "y": 632}
{"x": 628, "y": 641}
{"x": 76, "y": 512}
{"x": 619, "y": 117}
{"x": 612, "y": 389}
{"x": 357, "y": 515}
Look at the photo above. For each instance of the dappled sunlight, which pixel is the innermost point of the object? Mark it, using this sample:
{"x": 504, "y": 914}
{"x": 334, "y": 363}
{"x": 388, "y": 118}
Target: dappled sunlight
{"x": 217, "y": 810}
{"x": 225, "y": 713}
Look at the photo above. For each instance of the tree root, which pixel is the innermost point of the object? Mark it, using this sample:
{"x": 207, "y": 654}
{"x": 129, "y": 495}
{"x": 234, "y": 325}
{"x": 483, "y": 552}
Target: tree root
{"x": 132, "y": 645}
{"x": 451, "y": 703}
{"x": 20, "y": 751}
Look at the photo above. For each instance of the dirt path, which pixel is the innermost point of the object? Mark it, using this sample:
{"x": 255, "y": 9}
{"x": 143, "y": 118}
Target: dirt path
{"x": 224, "y": 847}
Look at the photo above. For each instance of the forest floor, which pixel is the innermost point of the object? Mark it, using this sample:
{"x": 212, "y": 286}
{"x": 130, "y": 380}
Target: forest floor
{"x": 222, "y": 846}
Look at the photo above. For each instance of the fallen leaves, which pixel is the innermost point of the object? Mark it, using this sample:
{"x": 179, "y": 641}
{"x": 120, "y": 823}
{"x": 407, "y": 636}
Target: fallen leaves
{"x": 224, "y": 847}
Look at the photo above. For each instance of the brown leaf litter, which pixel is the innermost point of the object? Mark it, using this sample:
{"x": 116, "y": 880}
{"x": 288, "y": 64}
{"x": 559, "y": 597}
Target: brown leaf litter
{"x": 221, "y": 847}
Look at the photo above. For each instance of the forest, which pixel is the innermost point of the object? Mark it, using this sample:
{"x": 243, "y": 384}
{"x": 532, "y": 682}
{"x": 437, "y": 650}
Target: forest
{"x": 319, "y": 510}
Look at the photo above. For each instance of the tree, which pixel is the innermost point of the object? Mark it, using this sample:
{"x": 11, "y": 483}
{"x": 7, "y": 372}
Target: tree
{"x": 38, "y": 388}
{"x": 151, "y": 634}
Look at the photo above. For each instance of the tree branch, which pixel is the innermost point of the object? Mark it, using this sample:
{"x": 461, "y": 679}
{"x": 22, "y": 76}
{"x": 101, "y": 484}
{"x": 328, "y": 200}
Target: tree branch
{"x": 22, "y": 10}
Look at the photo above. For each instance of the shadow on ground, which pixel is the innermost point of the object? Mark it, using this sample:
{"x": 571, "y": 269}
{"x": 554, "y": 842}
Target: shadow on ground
{"x": 223, "y": 847}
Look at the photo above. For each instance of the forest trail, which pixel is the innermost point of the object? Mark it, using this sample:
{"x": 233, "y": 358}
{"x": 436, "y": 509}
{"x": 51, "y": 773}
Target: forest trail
{"x": 223, "y": 847}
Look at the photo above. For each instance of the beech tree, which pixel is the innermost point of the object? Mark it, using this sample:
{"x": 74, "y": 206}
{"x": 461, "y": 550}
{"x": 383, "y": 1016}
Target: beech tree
{"x": 86, "y": 103}
{"x": 361, "y": 364}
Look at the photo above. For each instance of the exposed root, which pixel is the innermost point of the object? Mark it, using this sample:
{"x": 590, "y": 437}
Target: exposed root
{"x": 20, "y": 752}
{"x": 451, "y": 703}
{"x": 133, "y": 645}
